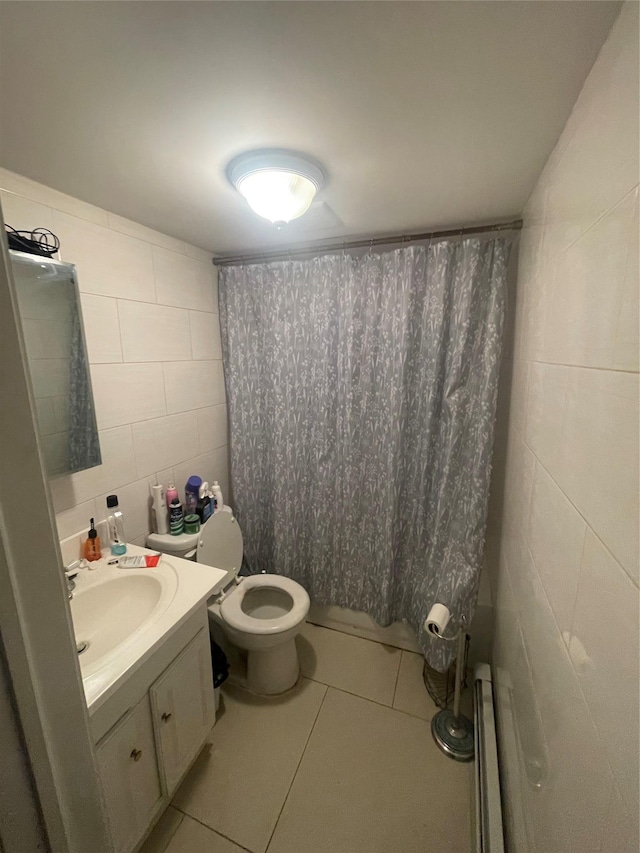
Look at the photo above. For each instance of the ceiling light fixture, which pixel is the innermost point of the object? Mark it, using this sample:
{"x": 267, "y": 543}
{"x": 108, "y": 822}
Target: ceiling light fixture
{"x": 278, "y": 185}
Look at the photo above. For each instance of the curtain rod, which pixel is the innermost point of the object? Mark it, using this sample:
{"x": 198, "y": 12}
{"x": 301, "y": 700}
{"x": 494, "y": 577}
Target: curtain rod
{"x": 321, "y": 246}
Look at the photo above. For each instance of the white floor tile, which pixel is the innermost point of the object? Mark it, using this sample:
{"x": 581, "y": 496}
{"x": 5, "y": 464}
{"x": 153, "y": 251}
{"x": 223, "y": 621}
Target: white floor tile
{"x": 373, "y": 781}
{"x": 349, "y": 663}
{"x": 239, "y": 786}
{"x": 163, "y": 831}
{"x": 193, "y": 837}
{"x": 411, "y": 695}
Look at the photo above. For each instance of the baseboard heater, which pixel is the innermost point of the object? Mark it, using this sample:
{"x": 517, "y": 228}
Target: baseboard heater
{"x": 489, "y": 833}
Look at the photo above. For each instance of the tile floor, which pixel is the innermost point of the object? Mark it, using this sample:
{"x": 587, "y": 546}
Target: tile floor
{"x": 345, "y": 763}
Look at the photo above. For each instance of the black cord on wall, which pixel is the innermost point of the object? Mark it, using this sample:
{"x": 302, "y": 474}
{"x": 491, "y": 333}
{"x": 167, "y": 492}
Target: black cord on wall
{"x": 40, "y": 241}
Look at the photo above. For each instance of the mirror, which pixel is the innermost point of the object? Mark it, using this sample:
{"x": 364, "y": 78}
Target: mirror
{"x": 49, "y": 305}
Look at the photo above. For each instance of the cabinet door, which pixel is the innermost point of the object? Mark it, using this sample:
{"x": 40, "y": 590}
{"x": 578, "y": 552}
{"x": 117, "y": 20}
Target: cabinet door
{"x": 183, "y": 708}
{"x": 129, "y": 774}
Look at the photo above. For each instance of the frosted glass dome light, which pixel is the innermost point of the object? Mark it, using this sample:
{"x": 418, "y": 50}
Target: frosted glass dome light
{"x": 277, "y": 185}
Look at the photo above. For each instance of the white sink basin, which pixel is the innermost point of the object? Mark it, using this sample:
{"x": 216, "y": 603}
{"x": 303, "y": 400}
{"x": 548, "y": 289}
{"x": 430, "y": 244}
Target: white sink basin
{"x": 109, "y": 613}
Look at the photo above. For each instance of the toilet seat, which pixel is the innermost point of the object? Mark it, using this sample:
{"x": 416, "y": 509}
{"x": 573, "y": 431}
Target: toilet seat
{"x": 232, "y": 613}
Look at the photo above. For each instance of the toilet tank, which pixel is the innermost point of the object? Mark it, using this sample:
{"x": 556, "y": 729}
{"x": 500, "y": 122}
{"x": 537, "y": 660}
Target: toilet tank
{"x": 184, "y": 545}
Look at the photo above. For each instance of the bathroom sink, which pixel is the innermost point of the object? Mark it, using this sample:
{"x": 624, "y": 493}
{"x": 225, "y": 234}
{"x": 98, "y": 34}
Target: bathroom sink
{"x": 108, "y": 614}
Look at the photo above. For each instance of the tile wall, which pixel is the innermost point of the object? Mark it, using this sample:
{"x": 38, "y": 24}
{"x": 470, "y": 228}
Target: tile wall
{"x": 563, "y": 537}
{"x": 150, "y": 309}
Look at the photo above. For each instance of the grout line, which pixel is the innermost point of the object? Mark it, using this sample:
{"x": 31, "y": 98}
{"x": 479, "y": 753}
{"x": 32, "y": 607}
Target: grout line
{"x": 574, "y": 506}
{"x": 210, "y": 828}
{"x": 395, "y": 686}
{"x": 357, "y": 636}
{"x": 293, "y": 778}
{"x": 368, "y": 699}
{"x": 578, "y": 366}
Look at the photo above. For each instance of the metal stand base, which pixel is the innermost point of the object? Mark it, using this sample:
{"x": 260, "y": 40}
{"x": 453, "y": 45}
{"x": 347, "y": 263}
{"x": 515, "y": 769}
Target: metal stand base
{"x": 453, "y": 736}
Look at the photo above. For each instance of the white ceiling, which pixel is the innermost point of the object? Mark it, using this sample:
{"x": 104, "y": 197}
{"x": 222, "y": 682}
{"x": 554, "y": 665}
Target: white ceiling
{"x": 424, "y": 114}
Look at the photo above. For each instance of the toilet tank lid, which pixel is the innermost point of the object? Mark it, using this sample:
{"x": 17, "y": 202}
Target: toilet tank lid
{"x": 176, "y": 545}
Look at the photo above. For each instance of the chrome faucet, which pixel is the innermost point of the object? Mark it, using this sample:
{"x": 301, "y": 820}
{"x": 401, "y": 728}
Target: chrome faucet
{"x": 70, "y": 572}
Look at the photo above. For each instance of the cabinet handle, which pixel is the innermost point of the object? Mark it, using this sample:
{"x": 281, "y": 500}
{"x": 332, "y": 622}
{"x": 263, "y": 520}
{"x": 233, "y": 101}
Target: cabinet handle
{"x": 136, "y": 754}
{"x": 166, "y": 716}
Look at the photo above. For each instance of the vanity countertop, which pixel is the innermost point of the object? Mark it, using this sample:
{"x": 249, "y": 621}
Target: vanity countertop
{"x": 124, "y": 615}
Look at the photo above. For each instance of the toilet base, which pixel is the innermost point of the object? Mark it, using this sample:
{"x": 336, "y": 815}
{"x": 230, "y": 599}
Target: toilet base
{"x": 274, "y": 670}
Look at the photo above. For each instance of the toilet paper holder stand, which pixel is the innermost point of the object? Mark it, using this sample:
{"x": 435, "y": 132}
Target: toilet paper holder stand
{"x": 451, "y": 730}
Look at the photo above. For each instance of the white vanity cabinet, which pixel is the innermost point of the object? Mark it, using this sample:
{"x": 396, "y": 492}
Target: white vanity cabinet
{"x": 144, "y": 755}
{"x": 129, "y": 772}
{"x": 183, "y": 709}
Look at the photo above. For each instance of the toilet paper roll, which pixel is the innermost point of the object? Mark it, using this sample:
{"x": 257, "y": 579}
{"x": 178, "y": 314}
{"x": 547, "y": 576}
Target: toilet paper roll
{"x": 437, "y": 620}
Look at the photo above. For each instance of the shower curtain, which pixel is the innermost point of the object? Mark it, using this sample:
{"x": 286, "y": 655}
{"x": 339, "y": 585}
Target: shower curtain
{"x": 362, "y": 394}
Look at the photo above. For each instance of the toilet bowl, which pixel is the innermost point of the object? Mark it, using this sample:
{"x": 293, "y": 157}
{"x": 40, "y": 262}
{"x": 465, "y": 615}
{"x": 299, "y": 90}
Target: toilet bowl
{"x": 259, "y": 616}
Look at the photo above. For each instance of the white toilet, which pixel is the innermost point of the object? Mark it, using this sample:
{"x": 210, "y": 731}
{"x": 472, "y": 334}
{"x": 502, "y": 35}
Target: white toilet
{"x": 255, "y": 619}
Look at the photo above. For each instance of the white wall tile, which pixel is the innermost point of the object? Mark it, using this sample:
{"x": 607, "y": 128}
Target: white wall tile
{"x": 600, "y": 164}
{"x": 213, "y": 430}
{"x": 183, "y": 281}
{"x": 153, "y": 332}
{"x": 576, "y": 778}
{"x": 191, "y": 385}
{"x": 604, "y": 649}
{"x": 575, "y": 578}
{"x": 75, "y": 519}
{"x": 622, "y": 824}
{"x": 205, "y": 335}
{"x": 164, "y": 442}
{"x": 114, "y": 259}
{"x": 49, "y": 197}
{"x": 518, "y": 396}
{"x": 23, "y": 214}
{"x": 625, "y": 355}
{"x": 545, "y": 411}
{"x": 101, "y": 328}
{"x": 117, "y": 468}
{"x": 598, "y": 450}
{"x": 555, "y": 537}
{"x": 210, "y": 466}
{"x": 125, "y": 393}
{"x": 141, "y": 232}
{"x": 517, "y": 499}
{"x": 134, "y": 504}
{"x": 584, "y": 309}
{"x": 108, "y": 263}
{"x": 198, "y": 254}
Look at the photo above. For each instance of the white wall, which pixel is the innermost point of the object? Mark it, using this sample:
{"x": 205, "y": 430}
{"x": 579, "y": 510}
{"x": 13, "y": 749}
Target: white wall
{"x": 149, "y": 304}
{"x": 563, "y": 538}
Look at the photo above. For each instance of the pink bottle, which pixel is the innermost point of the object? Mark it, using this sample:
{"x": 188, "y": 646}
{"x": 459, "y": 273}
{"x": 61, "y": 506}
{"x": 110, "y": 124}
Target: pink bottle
{"x": 171, "y": 494}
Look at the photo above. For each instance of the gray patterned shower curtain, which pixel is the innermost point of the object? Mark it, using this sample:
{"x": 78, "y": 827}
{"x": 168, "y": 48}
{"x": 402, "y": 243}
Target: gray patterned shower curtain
{"x": 362, "y": 394}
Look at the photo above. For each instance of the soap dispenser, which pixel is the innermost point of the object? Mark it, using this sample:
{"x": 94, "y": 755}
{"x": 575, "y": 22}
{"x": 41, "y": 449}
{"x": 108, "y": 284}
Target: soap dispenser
{"x": 91, "y": 549}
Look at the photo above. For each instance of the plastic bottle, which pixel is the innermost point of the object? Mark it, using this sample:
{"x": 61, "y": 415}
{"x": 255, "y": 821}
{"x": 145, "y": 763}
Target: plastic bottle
{"x": 161, "y": 521}
{"x": 217, "y": 494}
{"x": 205, "y": 504}
{"x": 171, "y": 494}
{"x": 115, "y": 524}
{"x": 176, "y": 517}
{"x": 91, "y": 550}
{"x": 191, "y": 494}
